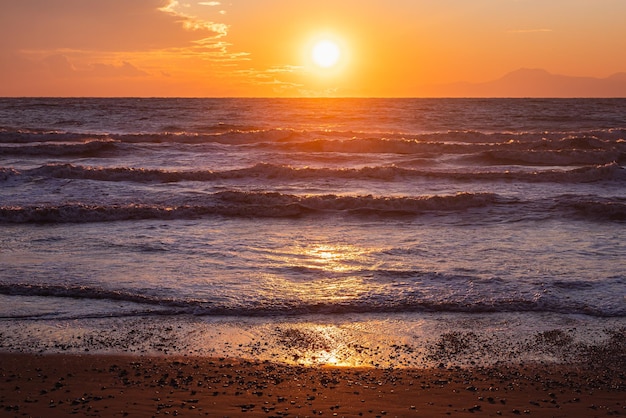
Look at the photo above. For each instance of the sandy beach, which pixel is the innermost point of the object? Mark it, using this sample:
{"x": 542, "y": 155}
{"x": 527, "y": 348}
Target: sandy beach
{"x": 101, "y": 385}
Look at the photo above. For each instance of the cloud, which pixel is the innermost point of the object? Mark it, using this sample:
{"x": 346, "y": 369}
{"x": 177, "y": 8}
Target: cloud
{"x": 125, "y": 69}
{"x": 209, "y": 3}
{"x": 529, "y": 30}
{"x": 72, "y": 46}
{"x": 220, "y": 29}
{"x": 61, "y": 66}
{"x": 285, "y": 69}
{"x": 269, "y": 78}
{"x": 12, "y": 64}
{"x": 193, "y": 23}
{"x": 112, "y": 25}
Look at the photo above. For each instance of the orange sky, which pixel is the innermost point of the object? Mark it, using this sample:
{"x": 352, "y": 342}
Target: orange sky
{"x": 262, "y": 47}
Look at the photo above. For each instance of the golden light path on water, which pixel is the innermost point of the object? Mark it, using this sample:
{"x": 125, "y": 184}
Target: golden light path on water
{"x": 334, "y": 283}
{"x": 321, "y": 274}
{"x": 328, "y": 275}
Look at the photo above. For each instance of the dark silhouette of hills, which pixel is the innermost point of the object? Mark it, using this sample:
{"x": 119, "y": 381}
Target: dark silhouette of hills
{"x": 535, "y": 83}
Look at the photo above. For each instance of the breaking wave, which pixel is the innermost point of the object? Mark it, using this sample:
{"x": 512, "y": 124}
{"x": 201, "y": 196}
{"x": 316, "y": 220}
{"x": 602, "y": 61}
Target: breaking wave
{"x": 437, "y": 293}
{"x": 91, "y": 148}
{"x": 279, "y": 205}
{"x": 555, "y": 148}
{"x": 592, "y": 173}
{"x": 247, "y": 204}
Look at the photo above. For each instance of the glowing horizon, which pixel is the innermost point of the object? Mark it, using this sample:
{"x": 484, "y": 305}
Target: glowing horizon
{"x": 398, "y": 48}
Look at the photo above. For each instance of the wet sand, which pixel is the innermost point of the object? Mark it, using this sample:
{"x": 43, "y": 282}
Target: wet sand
{"x": 52, "y": 385}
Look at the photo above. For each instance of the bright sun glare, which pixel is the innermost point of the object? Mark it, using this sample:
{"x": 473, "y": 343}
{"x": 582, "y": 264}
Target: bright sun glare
{"x": 325, "y": 53}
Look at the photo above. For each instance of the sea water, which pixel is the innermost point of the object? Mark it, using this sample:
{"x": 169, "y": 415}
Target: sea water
{"x": 349, "y": 231}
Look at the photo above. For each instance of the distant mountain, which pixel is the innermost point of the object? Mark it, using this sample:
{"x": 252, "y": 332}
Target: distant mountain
{"x": 535, "y": 83}
{"x": 618, "y": 77}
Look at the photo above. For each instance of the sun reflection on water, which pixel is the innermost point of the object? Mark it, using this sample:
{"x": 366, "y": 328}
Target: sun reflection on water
{"x": 319, "y": 274}
{"x": 322, "y": 277}
{"x": 337, "y": 258}
{"x": 318, "y": 345}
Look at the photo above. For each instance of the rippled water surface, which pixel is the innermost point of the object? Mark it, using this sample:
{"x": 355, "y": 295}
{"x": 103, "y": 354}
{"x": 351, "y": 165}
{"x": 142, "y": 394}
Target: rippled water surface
{"x": 275, "y": 210}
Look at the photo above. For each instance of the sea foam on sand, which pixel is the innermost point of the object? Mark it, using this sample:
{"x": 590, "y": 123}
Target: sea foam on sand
{"x": 421, "y": 340}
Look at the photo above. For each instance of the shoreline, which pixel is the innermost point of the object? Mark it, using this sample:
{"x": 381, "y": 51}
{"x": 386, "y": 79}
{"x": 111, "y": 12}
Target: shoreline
{"x": 140, "y": 385}
{"x": 420, "y": 340}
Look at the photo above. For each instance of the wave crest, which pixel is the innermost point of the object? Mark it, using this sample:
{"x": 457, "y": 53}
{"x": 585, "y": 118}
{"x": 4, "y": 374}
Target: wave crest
{"x": 593, "y": 173}
{"x": 246, "y": 204}
{"x": 90, "y": 148}
{"x": 437, "y": 293}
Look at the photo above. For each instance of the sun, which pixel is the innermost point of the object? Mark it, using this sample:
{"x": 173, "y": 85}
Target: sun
{"x": 325, "y": 53}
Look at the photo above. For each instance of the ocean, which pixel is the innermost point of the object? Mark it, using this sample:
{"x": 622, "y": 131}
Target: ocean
{"x": 386, "y": 232}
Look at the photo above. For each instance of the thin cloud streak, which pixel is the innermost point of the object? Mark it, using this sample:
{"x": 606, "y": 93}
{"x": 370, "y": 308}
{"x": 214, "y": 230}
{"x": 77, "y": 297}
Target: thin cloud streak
{"x": 530, "y": 30}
